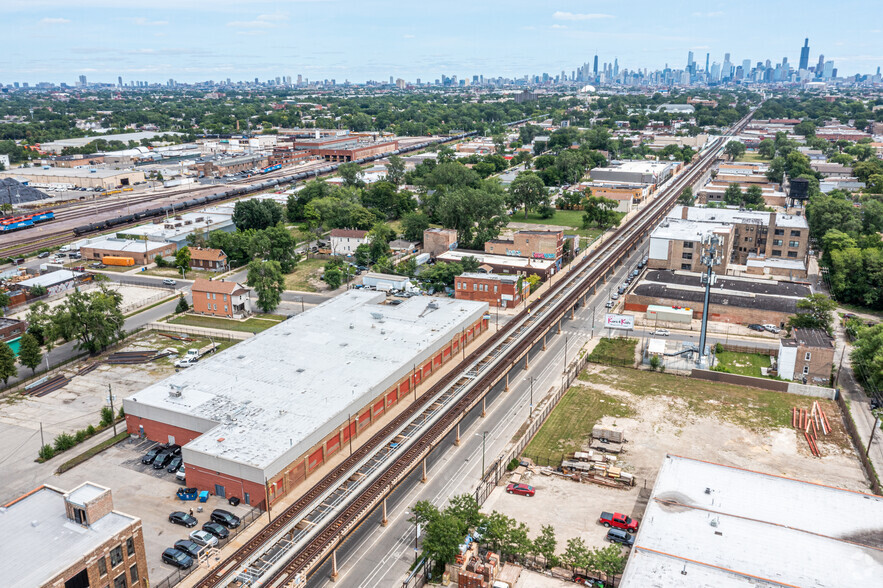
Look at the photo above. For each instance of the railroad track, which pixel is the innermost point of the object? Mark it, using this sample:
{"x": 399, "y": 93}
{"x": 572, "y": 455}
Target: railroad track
{"x": 578, "y": 282}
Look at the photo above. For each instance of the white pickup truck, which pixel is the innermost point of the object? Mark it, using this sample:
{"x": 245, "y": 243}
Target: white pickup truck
{"x": 193, "y": 355}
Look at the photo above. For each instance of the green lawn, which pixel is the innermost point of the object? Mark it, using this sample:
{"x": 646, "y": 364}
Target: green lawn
{"x": 614, "y": 352}
{"x": 570, "y": 424}
{"x": 751, "y": 157}
{"x": 562, "y": 218}
{"x": 305, "y": 269}
{"x": 747, "y": 364}
{"x": 173, "y": 272}
{"x": 251, "y": 325}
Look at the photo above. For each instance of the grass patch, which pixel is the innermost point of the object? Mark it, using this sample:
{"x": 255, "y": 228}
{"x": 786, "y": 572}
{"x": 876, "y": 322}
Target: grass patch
{"x": 563, "y": 218}
{"x": 752, "y": 157}
{"x": 752, "y": 408}
{"x": 303, "y": 271}
{"x": 250, "y": 325}
{"x": 570, "y": 424}
{"x": 746, "y": 364}
{"x": 619, "y": 352}
{"x": 89, "y": 453}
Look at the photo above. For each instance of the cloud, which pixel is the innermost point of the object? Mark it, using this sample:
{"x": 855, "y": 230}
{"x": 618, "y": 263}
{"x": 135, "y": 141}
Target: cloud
{"x": 579, "y": 16}
{"x": 143, "y": 22}
{"x": 558, "y": 26}
{"x": 263, "y": 21}
{"x": 49, "y": 21}
{"x": 713, "y": 14}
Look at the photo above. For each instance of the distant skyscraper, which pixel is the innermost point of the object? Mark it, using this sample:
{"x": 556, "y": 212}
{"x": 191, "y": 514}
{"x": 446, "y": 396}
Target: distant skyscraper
{"x": 726, "y": 68}
{"x": 615, "y": 67}
{"x": 804, "y": 55}
{"x": 595, "y": 71}
{"x": 828, "y": 70}
{"x": 120, "y": 81}
{"x": 82, "y": 81}
{"x": 707, "y": 55}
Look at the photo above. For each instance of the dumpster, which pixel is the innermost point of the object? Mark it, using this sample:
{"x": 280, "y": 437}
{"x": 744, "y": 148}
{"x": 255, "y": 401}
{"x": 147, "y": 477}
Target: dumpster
{"x": 187, "y": 493}
{"x": 203, "y": 496}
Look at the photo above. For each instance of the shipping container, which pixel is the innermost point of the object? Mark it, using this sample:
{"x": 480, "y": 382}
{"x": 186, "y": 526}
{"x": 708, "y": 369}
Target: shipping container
{"x": 123, "y": 261}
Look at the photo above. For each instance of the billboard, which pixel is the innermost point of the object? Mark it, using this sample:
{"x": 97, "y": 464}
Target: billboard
{"x": 619, "y": 321}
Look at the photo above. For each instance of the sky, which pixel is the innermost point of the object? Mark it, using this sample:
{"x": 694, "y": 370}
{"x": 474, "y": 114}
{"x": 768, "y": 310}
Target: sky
{"x": 195, "y": 40}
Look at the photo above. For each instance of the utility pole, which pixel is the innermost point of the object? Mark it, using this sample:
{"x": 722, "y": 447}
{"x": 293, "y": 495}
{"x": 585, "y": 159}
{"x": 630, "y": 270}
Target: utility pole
{"x": 483, "y": 440}
{"x": 873, "y": 430}
{"x": 531, "y": 396}
{"x": 709, "y": 259}
{"x": 113, "y": 418}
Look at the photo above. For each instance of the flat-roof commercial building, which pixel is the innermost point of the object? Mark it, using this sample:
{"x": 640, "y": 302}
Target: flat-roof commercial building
{"x": 504, "y": 264}
{"x": 354, "y": 151}
{"x": 678, "y": 244}
{"x": 437, "y": 241}
{"x": 497, "y": 290}
{"x": 636, "y": 172}
{"x": 54, "y": 282}
{"x": 142, "y": 252}
{"x": 58, "y": 146}
{"x": 105, "y": 179}
{"x": 708, "y": 524}
{"x": 74, "y": 539}
{"x": 219, "y": 166}
{"x": 176, "y": 229}
{"x": 714, "y": 192}
{"x": 260, "y": 417}
{"x": 627, "y": 195}
{"x": 534, "y": 244}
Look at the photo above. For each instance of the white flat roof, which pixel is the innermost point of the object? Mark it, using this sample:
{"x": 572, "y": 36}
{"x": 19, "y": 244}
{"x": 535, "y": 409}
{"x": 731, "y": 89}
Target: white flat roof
{"x": 643, "y": 167}
{"x": 124, "y": 245}
{"x": 727, "y": 526}
{"x": 85, "y": 493}
{"x": 732, "y": 215}
{"x": 792, "y": 264}
{"x": 50, "y": 279}
{"x": 159, "y": 230}
{"x": 685, "y": 230}
{"x": 267, "y": 400}
{"x": 69, "y": 172}
{"x": 38, "y": 524}
{"x": 124, "y": 137}
{"x": 511, "y": 261}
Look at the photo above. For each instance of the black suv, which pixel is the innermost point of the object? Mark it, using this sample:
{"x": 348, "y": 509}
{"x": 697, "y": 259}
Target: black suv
{"x": 162, "y": 459}
{"x": 150, "y": 456}
{"x": 756, "y": 327}
{"x": 219, "y": 531}
{"x": 620, "y": 536}
{"x": 226, "y": 518}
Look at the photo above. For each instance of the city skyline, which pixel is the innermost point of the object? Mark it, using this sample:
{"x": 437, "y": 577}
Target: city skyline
{"x": 52, "y": 41}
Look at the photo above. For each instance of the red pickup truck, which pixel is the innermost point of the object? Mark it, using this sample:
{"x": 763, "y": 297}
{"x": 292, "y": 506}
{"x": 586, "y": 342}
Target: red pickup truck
{"x": 618, "y": 520}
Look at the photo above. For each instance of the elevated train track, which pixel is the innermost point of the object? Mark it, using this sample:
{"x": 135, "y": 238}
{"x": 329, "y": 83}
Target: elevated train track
{"x": 485, "y": 368}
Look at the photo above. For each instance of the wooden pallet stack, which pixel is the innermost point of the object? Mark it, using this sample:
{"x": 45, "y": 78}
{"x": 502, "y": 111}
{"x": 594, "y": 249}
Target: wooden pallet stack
{"x": 810, "y": 424}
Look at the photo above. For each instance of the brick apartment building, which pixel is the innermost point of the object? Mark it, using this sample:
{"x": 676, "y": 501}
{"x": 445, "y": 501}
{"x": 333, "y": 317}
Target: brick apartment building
{"x": 345, "y": 241}
{"x": 220, "y": 298}
{"x": 678, "y": 245}
{"x": 438, "y": 241}
{"x": 533, "y": 244}
{"x": 807, "y": 357}
{"x": 495, "y": 289}
{"x": 11, "y": 329}
{"x": 209, "y": 259}
{"x": 71, "y": 540}
{"x": 627, "y": 196}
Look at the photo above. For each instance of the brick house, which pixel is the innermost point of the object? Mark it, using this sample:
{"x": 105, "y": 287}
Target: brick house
{"x": 220, "y": 298}
{"x": 438, "y": 241}
{"x": 84, "y": 541}
{"x": 345, "y": 241}
{"x": 495, "y": 289}
{"x": 807, "y": 357}
{"x": 209, "y": 259}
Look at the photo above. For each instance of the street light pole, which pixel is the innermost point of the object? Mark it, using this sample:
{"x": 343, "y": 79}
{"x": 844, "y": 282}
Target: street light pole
{"x": 531, "y": 396}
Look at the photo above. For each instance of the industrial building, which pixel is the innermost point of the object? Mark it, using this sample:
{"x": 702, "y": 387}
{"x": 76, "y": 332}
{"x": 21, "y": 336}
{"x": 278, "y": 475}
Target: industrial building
{"x": 105, "y": 179}
{"x": 259, "y": 418}
{"x": 58, "y": 539}
{"x": 733, "y": 299}
{"x": 54, "y": 282}
{"x": 220, "y": 166}
{"x": 504, "y": 264}
{"x": 176, "y": 229}
{"x": 708, "y": 524}
{"x": 59, "y": 146}
{"x": 142, "y": 252}
{"x": 636, "y": 172}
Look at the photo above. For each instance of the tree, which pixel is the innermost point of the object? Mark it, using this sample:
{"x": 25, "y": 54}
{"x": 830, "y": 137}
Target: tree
{"x": 333, "y": 277}
{"x": 499, "y": 143}
{"x": 527, "y": 190}
{"x": 29, "y": 353}
{"x": 875, "y": 184}
{"x": 826, "y": 212}
{"x": 805, "y": 128}
{"x": 477, "y": 214}
{"x": 37, "y": 291}
{"x": 182, "y": 305}
{"x": 733, "y": 195}
{"x": 256, "y": 214}
{"x": 351, "y": 173}
{"x": 734, "y": 149}
{"x": 533, "y": 281}
{"x": 608, "y": 560}
{"x": 813, "y": 312}
{"x": 40, "y": 324}
{"x": 93, "y": 319}
{"x": 754, "y": 196}
{"x": 413, "y": 225}
{"x": 182, "y": 258}
{"x": 544, "y": 544}
{"x": 686, "y": 198}
{"x": 4, "y": 302}
{"x": 599, "y": 211}
{"x": 7, "y": 363}
{"x": 577, "y": 553}
{"x": 395, "y": 170}
{"x": 767, "y": 149}
{"x": 498, "y": 528}
{"x": 268, "y": 281}
{"x": 464, "y": 508}
{"x": 441, "y": 542}
{"x": 868, "y": 354}
{"x": 362, "y": 254}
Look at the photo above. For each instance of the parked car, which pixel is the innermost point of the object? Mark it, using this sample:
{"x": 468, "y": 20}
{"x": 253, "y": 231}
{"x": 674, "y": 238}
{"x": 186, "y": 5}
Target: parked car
{"x": 618, "y": 520}
{"x": 756, "y": 327}
{"x": 609, "y": 304}
{"x": 151, "y": 454}
{"x": 620, "y": 536}
{"x": 169, "y": 282}
{"x": 80, "y": 268}
{"x": 182, "y": 518}
{"x": 614, "y": 296}
{"x": 177, "y": 558}
{"x": 162, "y": 459}
{"x": 226, "y": 518}
{"x": 203, "y": 538}
{"x": 174, "y": 464}
{"x": 522, "y": 489}
{"x": 43, "y": 255}
{"x": 98, "y": 266}
{"x": 191, "y": 548}
{"x": 219, "y": 531}
{"x": 185, "y": 362}
{"x": 180, "y": 475}
{"x": 660, "y": 332}
{"x": 636, "y": 273}
{"x": 174, "y": 448}
{"x": 771, "y": 328}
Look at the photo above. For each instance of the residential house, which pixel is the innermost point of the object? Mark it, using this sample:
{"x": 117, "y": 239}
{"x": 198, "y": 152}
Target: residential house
{"x": 213, "y": 260}
{"x": 220, "y": 298}
{"x": 345, "y": 241}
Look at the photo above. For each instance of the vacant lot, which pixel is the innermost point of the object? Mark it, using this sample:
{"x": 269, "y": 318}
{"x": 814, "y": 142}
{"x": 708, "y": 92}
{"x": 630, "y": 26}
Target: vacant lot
{"x": 747, "y": 364}
{"x": 305, "y": 277}
{"x": 570, "y": 220}
{"x": 250, "y": 325}
{"x": 614, "y": 352}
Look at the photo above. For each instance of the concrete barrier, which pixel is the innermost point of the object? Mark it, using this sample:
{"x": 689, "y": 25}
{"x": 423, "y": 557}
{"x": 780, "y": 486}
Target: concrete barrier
{"x": 765, "y": 383}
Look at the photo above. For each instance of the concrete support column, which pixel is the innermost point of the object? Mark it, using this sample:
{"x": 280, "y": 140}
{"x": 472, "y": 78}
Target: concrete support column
{"x": 506, "y": 389}
{"x": 334, "y": 573}
{"x": 457, "y": 440}
{"x": 559, "y": 327}
{"x": 385, "y": 521}
{"x": 527, "y": 360}
{"x": 572, "y": 313}
{"x": 544, "y": 342}
{"x": 483, "y": 406}
{"x": 423, "y": 479}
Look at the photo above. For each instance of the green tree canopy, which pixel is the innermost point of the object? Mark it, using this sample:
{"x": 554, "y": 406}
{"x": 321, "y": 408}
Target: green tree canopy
{"x": 7, "y": 363}
{"x": 814, "y": 312}
{"x": 93, "y": 319}
{"x": 29, "y": 353}
{"x": 268, "y": 281}
{"x": 256, "y": 214}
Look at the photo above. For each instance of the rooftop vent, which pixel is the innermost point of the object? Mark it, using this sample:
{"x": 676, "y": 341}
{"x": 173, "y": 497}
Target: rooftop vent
{"x": 175, "y": 391}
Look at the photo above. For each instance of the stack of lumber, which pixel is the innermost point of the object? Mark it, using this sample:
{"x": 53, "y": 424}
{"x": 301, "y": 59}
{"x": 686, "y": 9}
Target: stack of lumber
{"x": 811, "y": 423}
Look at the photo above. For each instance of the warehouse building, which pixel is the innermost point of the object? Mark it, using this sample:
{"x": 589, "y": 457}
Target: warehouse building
{"x": 258, "y": 419}
{"x": 58, "y": 539}
{"x": 176, "y": 229}
{"x": 708, "y": 524}
{"x": 59, "y": 146}
{"x": 105, "y": 179}
{"x": 220, "y": 166}
{"x": 504, "y": 264}
{"x": 636, "y": 172}
{"x": 142, "y": 252}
